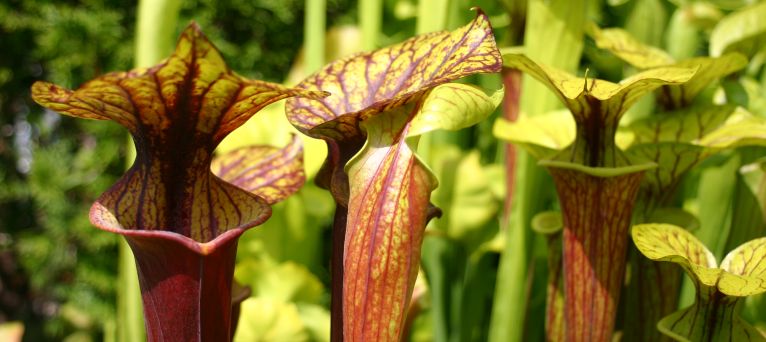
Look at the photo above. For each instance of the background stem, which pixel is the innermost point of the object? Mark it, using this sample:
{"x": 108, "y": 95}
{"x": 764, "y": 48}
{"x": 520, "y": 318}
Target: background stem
{"x": 370, "y": 17}
{"x": 336, "y": 273}
{"x": 314, "y": 34}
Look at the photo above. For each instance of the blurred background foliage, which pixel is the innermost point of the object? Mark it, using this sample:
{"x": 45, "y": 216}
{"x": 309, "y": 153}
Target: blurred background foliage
{"x": 58, "y": 274}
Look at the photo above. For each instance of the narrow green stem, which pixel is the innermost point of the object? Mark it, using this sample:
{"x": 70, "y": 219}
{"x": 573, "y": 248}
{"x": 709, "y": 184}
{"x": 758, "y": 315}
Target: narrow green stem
{"x": 130, "y": 314}
{"x": 314, "y": 34}
{"x": 336, "y": 273}
{"x": 370, "y": 18}
{"x": 155, "y": 30}
{"x": 510, "y": 301}
{"x": 432, "y": 15}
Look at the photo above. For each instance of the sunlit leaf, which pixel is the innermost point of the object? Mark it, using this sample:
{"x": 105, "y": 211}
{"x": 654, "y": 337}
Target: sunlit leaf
{"x": 541, "y": 135}
{"x": 473, "y": 204}
{"x": 267, "y": 319}
{"x": 743, "y": 31}
{"x": 599, "y": 103}
{"x": 576, "y": 92}
{"x": 709, "y": 69}
{"x": 742, "y": 273}
{"x": 270, "y": 127}
{"x": 551, "y": 23}
{"x": 286, "y": 281}
{"x": 269, "y": 172}
{"x": 453, "y": 106}
{"x": 740, "y": 129}
{"x": 366, "y": 84}
{"x": 628, "y": 48}
{"x": 377, "y": 97}
{"x": 665, "y": 242}
{"x": 670, "y": 140}
{"x": 749, "y": 261}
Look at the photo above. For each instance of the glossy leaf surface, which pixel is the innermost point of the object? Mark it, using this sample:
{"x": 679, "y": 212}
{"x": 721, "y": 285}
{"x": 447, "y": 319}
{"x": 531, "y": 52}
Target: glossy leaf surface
{"x": 542, "y": 136}
{"x": 709, "y": 70}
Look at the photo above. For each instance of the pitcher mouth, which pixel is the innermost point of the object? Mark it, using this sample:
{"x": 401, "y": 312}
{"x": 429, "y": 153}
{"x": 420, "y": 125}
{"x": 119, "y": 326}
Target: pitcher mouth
{"x": 102, "y": 218}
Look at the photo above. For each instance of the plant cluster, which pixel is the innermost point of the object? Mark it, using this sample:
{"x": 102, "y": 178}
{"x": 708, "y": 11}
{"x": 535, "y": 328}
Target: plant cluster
{"x": 622, "y": 179}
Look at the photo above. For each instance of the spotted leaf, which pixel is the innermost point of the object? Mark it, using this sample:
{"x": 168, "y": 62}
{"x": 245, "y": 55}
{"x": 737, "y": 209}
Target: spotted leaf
{"x": 369, "y": 83}
{"x": 388, "y": 210}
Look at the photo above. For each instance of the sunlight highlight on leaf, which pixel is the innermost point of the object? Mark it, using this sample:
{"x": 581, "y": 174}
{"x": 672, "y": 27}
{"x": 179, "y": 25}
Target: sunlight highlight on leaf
{"x": 628, "y": 48}
{"x": 540, "y": 135}
{"x": 453, "y": 106}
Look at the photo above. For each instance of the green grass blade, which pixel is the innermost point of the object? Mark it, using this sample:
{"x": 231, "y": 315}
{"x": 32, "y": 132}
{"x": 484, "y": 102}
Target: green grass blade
{"x": 314, "y": 34}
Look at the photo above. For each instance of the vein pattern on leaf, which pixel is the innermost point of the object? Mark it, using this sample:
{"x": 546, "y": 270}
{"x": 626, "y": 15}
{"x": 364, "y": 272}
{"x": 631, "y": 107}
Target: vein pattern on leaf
{"x": 177, "y": 112}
